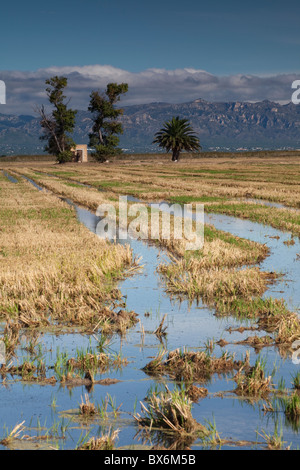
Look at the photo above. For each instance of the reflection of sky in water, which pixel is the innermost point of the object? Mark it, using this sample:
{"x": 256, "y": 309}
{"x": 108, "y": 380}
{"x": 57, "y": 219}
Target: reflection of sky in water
{"x": 190, "y": 325}
{"x": 10, "y": 177}
{"x": 145, "y": 292}
{"x": 282, "y": 258}
{"x": 262, "y": 202}
{"x": 40, "y": 188}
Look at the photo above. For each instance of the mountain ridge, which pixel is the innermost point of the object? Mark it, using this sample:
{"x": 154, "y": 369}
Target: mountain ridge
{"x": 231, "y": 125}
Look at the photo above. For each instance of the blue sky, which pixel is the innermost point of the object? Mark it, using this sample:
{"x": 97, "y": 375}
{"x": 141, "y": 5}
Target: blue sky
{"x": 222, "y": 38}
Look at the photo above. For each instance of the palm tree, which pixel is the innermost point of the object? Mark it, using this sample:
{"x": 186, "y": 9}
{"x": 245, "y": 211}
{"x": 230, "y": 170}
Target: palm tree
{"x": 177, "y": 135}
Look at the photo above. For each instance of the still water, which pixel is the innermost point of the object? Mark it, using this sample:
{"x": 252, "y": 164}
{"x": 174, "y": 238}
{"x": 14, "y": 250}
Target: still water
{"x": 188, "y": 324}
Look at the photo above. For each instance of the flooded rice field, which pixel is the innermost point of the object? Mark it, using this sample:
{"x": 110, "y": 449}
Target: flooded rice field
{"x": 51, "y": 410}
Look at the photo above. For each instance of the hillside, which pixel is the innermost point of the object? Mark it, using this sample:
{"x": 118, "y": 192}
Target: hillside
{"x": 220, "y": 126}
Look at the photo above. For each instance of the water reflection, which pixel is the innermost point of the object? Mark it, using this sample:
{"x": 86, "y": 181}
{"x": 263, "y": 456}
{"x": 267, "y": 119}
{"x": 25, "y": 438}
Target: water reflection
{"x": 40, "y": 188}
{"x": 10, "y": 177}
{"x": 191, "y": 324}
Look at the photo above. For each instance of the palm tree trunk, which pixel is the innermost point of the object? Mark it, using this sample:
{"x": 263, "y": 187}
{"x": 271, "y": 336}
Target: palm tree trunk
{"x": 175, "y": 155}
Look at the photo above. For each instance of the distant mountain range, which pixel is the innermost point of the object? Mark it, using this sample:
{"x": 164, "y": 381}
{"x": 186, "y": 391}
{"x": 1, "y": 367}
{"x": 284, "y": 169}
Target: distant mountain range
{"x": 220, "y": 126}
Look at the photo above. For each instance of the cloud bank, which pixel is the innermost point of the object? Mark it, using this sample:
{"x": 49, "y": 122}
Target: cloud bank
{"x": 25, "y": 90}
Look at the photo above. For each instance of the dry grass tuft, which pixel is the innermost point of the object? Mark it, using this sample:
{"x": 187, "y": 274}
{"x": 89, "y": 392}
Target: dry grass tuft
{"x": 14, "y": 434}
{"x": 86, "y": 407}
{"x": 170, "y": 411}
{"x": 105, "y": 442}
{"x": 189, "y": 279}
{"x": 284, "y": 324}
{"x": 191, "y": 366}
{"x": 252, "y": 381}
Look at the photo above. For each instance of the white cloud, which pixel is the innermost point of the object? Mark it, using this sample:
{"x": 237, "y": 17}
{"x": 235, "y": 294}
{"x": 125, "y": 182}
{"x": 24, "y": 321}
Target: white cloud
{"x": 25, "y": 90}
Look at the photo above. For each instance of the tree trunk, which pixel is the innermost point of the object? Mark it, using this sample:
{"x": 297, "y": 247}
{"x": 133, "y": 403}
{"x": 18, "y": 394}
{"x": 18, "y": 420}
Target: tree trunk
{"x": 49, "y": 125}
{"x": 100, "y": 136}
{"x": 175, "y": 156}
